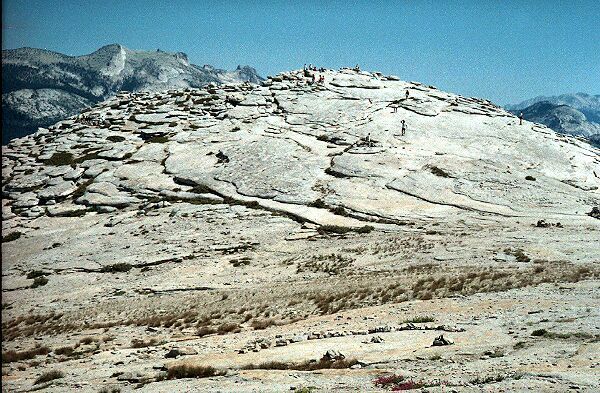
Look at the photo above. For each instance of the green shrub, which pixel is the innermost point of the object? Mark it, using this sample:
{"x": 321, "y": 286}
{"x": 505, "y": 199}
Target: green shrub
{"x": 420, "y": 319}
{"x": 365, "y": 229}
{"x": 116, "y": 268}
{"x": 60, "y": 158}
{"x": 35, "y": 273}
{"x": 39, "y": 282}
{"x": 539, "y": 332}
{"x": 438, "y": 171}
{"x": 324, "y": 229}
{"x": 11, "y": 236}
{"x": 340, "y": 211}
{"x": 158, "y": 139}
{"x": 318, "y": 203}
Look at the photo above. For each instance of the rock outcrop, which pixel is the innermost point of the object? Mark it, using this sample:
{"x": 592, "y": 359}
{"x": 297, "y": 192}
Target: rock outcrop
{"x": 288, "y": 144}
{"x": 240, "y": 231}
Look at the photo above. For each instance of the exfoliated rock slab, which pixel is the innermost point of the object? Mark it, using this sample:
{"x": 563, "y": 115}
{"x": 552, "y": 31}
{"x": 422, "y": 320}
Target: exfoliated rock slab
{"x": 118, "y": 152}
{"x": 153, "y": 118}
{"x": 356, "y": 81}
{"x": 192, "y": 196}
{"x": 66, "y": 210}
{"x": 104, "y": 193}
{"x": 63, "y": 189}
{"x": 27, "y": 199}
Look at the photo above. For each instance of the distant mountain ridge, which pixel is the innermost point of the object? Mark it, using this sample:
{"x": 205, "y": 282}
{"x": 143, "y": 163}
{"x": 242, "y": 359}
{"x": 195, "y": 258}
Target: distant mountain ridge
{"x": 41, "y": 87}
{"x": 573, "y": 114}
{"x": 588, "y": 104}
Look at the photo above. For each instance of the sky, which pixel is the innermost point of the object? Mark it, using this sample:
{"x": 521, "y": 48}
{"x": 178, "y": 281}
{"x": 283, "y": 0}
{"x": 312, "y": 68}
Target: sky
{"x": 506, "y": 51}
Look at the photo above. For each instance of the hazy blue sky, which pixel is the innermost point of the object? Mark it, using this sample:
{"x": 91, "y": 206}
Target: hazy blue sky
{"x": 503, "y": 50}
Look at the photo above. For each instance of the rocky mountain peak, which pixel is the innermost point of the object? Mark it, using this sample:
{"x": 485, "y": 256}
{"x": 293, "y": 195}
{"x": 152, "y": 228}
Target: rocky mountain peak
{"x": 41, "y": 87}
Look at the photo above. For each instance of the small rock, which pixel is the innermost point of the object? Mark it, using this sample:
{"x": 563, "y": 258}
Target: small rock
{"x": 333, "y": 355}
{"x": 175, "y": 352}
{"x": 441, "y": 340}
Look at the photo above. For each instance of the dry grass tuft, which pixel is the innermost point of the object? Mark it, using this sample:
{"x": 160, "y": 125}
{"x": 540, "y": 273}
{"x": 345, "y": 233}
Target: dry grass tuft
{"x": 189, "y": 371}
{"x": 309, "y": 365}
{"x": 17, "y": 356}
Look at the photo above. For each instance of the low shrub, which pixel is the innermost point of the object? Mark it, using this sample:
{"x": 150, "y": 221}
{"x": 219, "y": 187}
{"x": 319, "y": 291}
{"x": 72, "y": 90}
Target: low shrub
{"x": 67, "y": 351}
{"x": 189, "y": 371}
{"x": 17, "y": 356}
{"x": 387, "y": 380}
{"x": 365, "y": 229}
{"x": 49, "y": 376}
{"x": 318, "y": 203}
{"x": 158, "y": 139}
{"x": 137, "y": 343}
{"x": 228, "y": 328}
{"x": 487, "y": 379}
{"x": 87, "y": 340}
{"x": 260, "y": 324}
{"x": 539, "y": 332}
{"x": 438, "y": 171}
{"x": 60, "y": 158}
{"x": 34, "y": 274}
{"x": 303, "y": 366}
{"x": 116, "y": 268}
{"x": 408, "y": 385}
{"x": 39, "y": 282}
{"x": 205, "y": 331}
{"x": 420, "y": 319}
{"x": 340, "y": 211}
{"x": 11, "y": 236}
{"x": 110, "y": 390}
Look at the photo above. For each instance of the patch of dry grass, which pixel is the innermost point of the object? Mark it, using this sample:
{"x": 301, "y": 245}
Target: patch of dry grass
{"x": 309, "y": 365}
{"x": 190, "y": 371}
{"x": 17, "y": 356}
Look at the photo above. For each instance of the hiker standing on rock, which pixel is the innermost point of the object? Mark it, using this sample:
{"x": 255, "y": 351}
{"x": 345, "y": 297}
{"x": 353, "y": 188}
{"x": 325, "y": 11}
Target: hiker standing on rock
{"x": 407, "y": 94}
{"x": 403, "y": 127}
{"x": 521, "y": 118}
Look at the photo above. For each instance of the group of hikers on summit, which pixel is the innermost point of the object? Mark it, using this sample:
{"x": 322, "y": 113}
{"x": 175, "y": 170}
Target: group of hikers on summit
{"x": 394, "y": 104}
{"x": 321, "y": 81}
